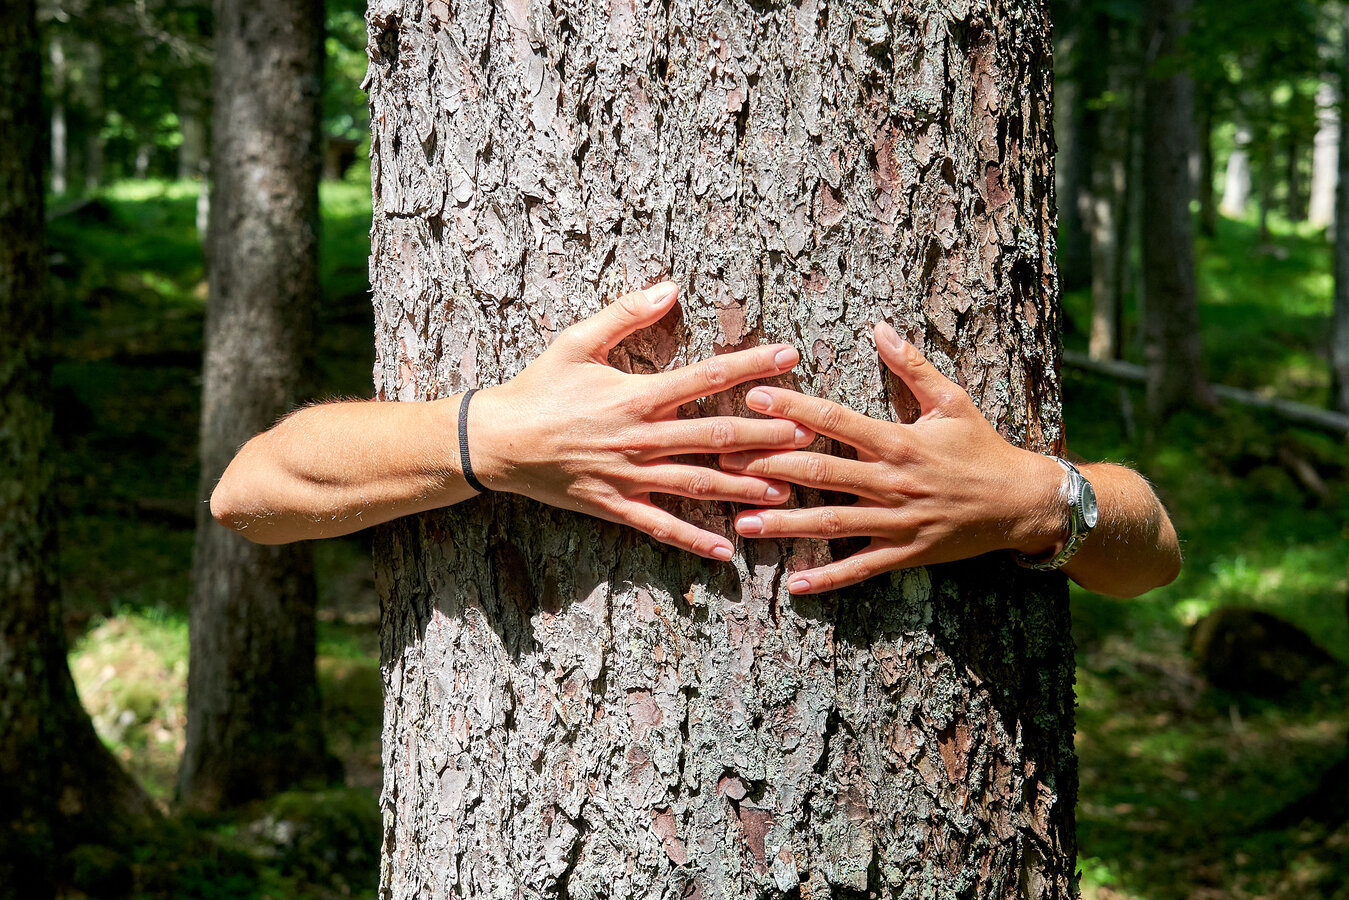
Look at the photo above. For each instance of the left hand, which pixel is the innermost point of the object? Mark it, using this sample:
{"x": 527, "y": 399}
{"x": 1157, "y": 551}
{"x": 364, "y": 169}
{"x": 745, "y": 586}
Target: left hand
{"x": 946, "y": 487}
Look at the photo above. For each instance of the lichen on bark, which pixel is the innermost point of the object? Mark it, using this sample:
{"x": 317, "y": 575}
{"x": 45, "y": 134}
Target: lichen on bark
{"x": 575, "y": 711}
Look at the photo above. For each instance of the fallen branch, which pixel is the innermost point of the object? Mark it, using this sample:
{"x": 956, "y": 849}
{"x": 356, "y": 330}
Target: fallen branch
{"x": 1290, "y": 410}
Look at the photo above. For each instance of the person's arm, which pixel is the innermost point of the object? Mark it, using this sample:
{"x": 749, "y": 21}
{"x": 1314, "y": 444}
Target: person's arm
{"x": 570, "y": 431}
{"x": 949, "y": 487}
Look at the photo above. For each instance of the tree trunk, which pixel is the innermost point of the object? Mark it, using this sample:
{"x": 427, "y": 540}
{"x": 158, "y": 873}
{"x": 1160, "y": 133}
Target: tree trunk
{"x": 1325, "y": 158}
{"x": 1339, "y": 325}
{"x": 192, "y": 150}
{"x": 1208, "y": 205}
{"x": 252, "y": 707}
{"x": 1077, "y": 134}
{"x": 1295, "y": 204}
{"x": 94, "y": 109}
{"x": 1265, "y": 178}
{"x": 62, "y": 787}
{"x": 1171, "y": 308}
{"x": 59, "y": 136}
{"x": 1237, "y": 177}
{"x": 1111, "y": 197}
{"x": 572, "y": 710}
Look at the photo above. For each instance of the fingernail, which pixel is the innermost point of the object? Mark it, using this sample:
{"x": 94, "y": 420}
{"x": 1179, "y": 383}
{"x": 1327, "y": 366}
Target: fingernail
{"x": 660, "y": 294}
{"x": 803, "y": 436}
{"x": 797, "y": 585}
{"x": 722, "y": 553}
{"x": 758, "y": 399}
{"x": 749, "y": 525}
{"x": 786, "y": 358}
{"x": 776, "y": 492}
{"x": 734, "y": 461}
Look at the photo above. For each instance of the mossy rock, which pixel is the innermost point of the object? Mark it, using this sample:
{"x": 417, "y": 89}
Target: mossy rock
{"x": 327, "y": 837}
{"x": 1255, "y": 652}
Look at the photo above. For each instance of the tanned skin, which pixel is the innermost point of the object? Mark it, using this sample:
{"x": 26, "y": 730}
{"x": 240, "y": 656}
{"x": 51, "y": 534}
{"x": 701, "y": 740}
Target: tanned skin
{"x": 943, "y": 488}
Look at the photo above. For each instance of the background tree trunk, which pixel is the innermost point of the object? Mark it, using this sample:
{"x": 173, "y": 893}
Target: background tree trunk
{"x": 1171, "y": 308}
{"x": 94, "y": 111}
{"x": 1208, "y": 201}
{"x": 1111, "y": 202}
{"x": 62, "y": 787}
{"x": 1078, "y": 138}
{"x": 60, "y": 146}
{"x": 575, "y": 711}
{"x": 1339, "y": 325}
{"x": 253, "y": 723}
{"x": 192, "y": 151}
{"x": 1237, "y": 176}
{"x": 1325, "y": 157}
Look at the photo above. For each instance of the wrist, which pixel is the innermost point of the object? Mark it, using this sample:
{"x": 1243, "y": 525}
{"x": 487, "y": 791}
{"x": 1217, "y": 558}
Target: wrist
{"x": 491, "y": 443}
{"x": 1040, "y": 528}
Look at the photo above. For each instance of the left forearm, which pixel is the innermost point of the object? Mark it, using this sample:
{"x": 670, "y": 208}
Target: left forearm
{"x": 1134, "y": 547}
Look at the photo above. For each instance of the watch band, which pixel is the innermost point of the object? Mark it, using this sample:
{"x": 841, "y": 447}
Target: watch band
{"x": 1076, "y": 488}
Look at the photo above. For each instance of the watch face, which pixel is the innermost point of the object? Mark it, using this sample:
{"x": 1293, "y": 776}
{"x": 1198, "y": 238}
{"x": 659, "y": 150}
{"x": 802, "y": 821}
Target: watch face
{"x": 1090, "y": 513}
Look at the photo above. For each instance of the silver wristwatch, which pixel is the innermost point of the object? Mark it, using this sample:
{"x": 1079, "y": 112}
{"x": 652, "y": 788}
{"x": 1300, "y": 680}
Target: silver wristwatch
{"x": 1080, "y": 498}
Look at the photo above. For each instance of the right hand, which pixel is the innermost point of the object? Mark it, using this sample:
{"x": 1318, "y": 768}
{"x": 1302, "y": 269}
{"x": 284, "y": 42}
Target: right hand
{"x": 574, "y": 432}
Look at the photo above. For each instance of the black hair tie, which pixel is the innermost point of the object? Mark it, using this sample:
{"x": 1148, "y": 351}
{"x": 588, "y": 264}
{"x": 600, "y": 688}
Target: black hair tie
{"x": 464, "y": 463}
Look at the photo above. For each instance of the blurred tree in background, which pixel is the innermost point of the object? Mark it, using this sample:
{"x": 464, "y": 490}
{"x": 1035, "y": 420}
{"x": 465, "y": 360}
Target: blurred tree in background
{"x": 253, "y": 724}
{"x": 62, "y": 788}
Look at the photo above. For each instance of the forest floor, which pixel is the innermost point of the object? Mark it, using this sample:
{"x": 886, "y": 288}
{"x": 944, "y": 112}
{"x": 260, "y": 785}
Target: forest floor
{"x": 1178, "y": 778}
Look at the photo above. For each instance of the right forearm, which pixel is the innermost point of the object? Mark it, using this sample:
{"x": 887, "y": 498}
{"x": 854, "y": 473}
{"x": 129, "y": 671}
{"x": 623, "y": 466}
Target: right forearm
{"x": 339, "y": 467}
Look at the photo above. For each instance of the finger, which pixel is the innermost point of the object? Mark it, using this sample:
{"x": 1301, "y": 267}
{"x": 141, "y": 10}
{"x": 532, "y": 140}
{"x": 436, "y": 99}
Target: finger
{"x": 721, "y": 434}
{"x": 823, "y": 522}
{"x": 672, "y": 530}
{"x": 823, "y": 416}
{"x": 711, "y": 376}
{"x": 817, "y": 470}
{"x": 597, "y": 335}
{"x": 708, "y": 484}
{"x": 933, "y": 390}
{"x": 859, "y": 567}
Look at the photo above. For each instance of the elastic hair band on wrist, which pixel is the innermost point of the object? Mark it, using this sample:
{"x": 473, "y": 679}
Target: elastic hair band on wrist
{"x": 464, "y": 463}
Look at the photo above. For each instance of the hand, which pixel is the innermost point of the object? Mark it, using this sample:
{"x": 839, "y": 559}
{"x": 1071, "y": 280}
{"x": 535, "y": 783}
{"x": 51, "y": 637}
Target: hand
{"x": 574, "y": 432}
{"x": 946, "y": 487}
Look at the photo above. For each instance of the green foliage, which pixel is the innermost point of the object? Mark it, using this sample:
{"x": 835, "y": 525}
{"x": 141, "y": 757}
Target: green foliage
{"x": 1177, "y": 778}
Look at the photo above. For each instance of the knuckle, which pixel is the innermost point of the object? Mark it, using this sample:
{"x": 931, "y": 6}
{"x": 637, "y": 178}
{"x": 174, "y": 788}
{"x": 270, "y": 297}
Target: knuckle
{"x": 830, "y": 523}
{"x": 715, "y": 373}
{"x": 700, "y": 484}
{"x": 722, "y": 435}
{"x": 661, "y": 532}
{"x": 831, "y": 417}
{"x": 817, "y": 469}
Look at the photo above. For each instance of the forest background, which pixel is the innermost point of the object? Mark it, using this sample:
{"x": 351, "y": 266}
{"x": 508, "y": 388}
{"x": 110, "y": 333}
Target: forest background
{"x": 1212, "y": 713}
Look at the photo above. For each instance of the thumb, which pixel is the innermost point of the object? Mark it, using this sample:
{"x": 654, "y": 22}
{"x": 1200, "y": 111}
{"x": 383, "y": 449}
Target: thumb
{"x": 933, "y": 390}
{"x": 597, "y": 335}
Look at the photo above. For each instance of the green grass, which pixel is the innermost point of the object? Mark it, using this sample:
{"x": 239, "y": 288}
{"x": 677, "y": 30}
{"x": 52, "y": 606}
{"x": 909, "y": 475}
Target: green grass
{"x": 1176, "y": 777}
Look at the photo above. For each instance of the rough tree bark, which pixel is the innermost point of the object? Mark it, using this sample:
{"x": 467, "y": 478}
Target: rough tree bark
{"x": 1171, "y": 305}
{"x": 253, "y": 723}
{"x": 572, "y": 710}
{"x": 62, "y": 787}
